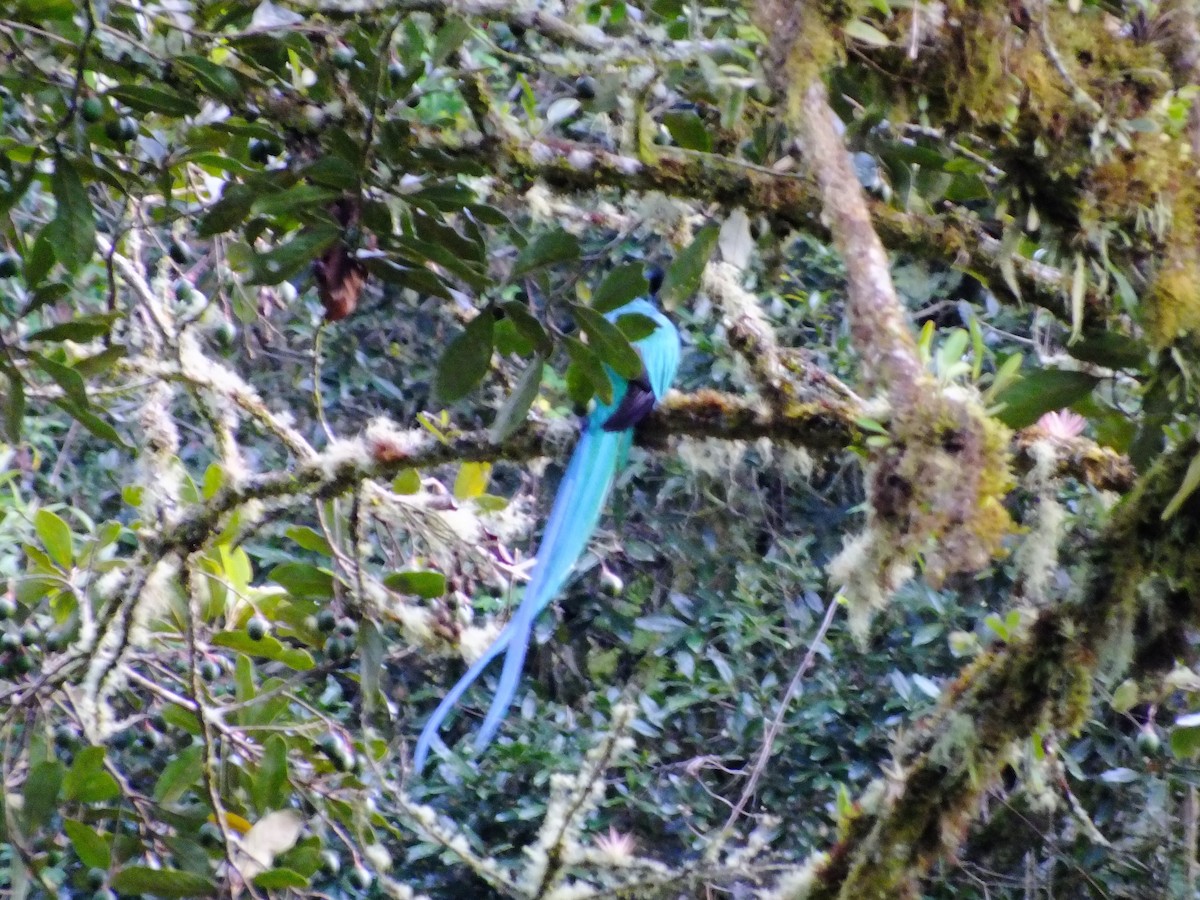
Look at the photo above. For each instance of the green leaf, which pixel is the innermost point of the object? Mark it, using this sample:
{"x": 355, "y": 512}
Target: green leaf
{"x": 154, "y": 99}
{"x": 310, "y": 539}
{"x": 588, "y": 364}
{"x": 91, "y": 421}
{"x": 334, "y": 172}
{"x": 217, "y": 80}
{"x": 41, "y": 792}
{"x": 471, "y": 480}
{"x": 46, "y": 294}
{"x": 72, "y": 231}
{"x": 1078, "y": 293}
{"x": 1187, "y": 487}
{"x": 65, "y": 377}
{"x": 45, "y": 10}
{"x": 487, "y": 215}
{"x": 229, "y": 211}
{"x": 87, "y": 780}
{"x": 510, "y": 341}
{"x": 182, "y": 718}
{"x": 1185, "y": 742}
{"x": 683, "y": 277}
{"x": 867, "y": 34}
{"x": 162, "y": 882}
{"x": 90, "y": 846}
{"x": 407, "y": 482}
{"x": 13, "y": 400}
{"x": 466, "y": 359}
{"x": 286, "y": 260}
{"x": 303, "y": 580}
{"x": 423, "y": 584}
{"x": 55, "y": 536}
{"x": 546, "y": 249}
{"x": 372, "y": 648}
{"x": 272, "y": 774}
{"x": 609, "y": 342}
{"x": 529, "y": 327}
{"x": 280, "y": 879}
{"x": 268, "y": 647}
{"x": 636, "y": 326}
{"x": 420, "y": 252}
{"x": 688, "y": 131}
{"x": 179, "y": 775}
{"x": 449, "y": 39}
{"x": 1040, "y": 392}
{"x": 214, "y": 478}
{"x": 297, "y": 198}
{"x": 40, "y": 258}
{"x": 17, "y": 188}
{"x": 1111, "y": 349}
{"x": 81, "y": 329}
{"x": 622, "y": 284}
{"x": 1125, "y": 696}
{"x": 512, "y": 415}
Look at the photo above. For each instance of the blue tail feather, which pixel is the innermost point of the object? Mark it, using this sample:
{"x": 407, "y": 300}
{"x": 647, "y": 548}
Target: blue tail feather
{"x": 573, "y": 517}
{"x": 429, "y": 733}
{"x": 576, "y": 511}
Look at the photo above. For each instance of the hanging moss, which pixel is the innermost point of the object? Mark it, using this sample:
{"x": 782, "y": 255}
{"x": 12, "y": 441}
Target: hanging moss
{"x": 1080, "y": 113}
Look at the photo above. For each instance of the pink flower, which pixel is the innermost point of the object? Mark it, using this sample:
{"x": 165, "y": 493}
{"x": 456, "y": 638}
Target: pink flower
{"x": 1062, "y": 425}
{"x": 616, "y": 844}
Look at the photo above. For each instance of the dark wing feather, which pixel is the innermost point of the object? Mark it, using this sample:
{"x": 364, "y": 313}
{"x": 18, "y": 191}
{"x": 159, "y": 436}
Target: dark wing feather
{"x": 637, "y": 403}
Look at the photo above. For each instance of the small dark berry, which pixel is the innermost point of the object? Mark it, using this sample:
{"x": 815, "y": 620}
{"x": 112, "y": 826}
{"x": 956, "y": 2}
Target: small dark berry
{"x": 92, "y": 109}
{"x": 259, "y": 151}
{"x": 210, "y": 835}
{"x": 326, "y": 621}
{"x": 121, "y": 130}
{"x": 585, "y": 88}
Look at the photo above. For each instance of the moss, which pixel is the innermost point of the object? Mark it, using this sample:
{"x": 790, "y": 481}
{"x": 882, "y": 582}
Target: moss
{"x": 1172, "y": 305}
{"x": 951, "y": 443}
{"x": 1083, "y": 126}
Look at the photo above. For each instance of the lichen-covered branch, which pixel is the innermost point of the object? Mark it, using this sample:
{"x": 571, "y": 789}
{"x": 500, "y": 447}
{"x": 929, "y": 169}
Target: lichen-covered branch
{"x": 937, "y": 489}
{"x": 879, "y": 323}
{"x": 790, "y": 202}
{"x": 521, "y": 15}
{"x": 1129, "y": 615}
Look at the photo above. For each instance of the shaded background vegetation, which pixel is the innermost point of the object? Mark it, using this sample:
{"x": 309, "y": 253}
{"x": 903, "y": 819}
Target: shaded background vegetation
{"x": 327, "y": 204}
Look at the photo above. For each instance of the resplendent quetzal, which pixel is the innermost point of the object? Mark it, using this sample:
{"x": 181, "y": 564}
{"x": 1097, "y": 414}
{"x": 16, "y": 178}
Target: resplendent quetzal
{"x": 602, "y": 449}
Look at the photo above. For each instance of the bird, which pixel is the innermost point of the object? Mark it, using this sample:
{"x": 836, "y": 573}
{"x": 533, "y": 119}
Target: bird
{"x": 603, "y": 446}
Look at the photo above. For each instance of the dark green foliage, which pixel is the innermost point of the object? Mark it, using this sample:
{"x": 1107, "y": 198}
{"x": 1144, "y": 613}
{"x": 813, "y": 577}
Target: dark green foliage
{"x": 284, "y": 675}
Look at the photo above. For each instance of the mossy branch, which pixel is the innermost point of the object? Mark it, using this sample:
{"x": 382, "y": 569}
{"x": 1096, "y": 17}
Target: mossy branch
{"x": 818, "y": 421}
{"x": 789, "y": 202}
{"x": 1130, "y": 614}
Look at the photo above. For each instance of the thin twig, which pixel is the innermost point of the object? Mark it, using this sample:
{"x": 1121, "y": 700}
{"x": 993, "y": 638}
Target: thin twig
{"x": 768, "y": 744}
